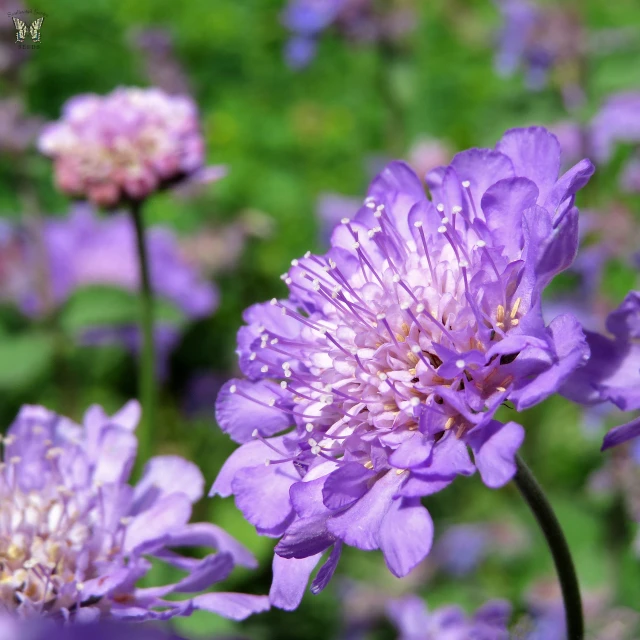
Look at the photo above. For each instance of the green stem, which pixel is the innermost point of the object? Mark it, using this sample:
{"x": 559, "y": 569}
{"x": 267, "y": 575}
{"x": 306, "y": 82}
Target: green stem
{"x": 147, "y": 368}
{"x": 542, "y": 510}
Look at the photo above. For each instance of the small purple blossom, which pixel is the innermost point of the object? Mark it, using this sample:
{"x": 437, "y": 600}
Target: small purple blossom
{"x": 76, "y": 537}
{"x": 393, "y": 353}
{"x": 415, "y": 622}
{"x": 124, "y": 146}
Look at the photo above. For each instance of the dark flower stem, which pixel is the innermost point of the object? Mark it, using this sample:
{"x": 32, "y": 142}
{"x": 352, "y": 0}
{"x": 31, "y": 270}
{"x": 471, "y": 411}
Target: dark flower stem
{"x": 542, "y": 510}
{"x": 147, "y": 372}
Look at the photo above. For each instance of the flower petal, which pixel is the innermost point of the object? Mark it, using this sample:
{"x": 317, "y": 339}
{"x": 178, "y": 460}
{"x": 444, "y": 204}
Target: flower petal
{"x": 405, "y": 535}
{"x": 235, "y": 606}
{"x": 290, "y": 578}
{"x": 494, "y": 447}
{"x": 238, "y": 415}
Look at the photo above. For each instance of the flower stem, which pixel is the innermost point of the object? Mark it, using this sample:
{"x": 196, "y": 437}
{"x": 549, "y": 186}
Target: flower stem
{"x": 532, "y": 492}
{"x": 147, "y": 371}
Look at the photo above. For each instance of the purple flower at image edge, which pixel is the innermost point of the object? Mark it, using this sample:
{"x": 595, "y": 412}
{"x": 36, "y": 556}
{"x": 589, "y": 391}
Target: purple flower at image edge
{"x": 612, "y": 373}
{"x": 394, "y": 351}
{"x": 415, "y": 622}
{"x": 14, "y": 629}
{"x": 76, "y": 538}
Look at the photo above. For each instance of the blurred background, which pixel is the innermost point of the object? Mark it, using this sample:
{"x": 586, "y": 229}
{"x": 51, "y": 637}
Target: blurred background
{"x": 303, "y": 104}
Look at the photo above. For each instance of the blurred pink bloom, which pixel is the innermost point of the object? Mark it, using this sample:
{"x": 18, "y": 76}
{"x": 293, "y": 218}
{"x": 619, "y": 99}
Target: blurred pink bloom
{"x": 426, "y": 154}
{"x": 124, "y": 146}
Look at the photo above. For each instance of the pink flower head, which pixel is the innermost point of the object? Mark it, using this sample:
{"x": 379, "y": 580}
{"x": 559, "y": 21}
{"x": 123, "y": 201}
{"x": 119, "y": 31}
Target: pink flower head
{"x": 124, "y": 146}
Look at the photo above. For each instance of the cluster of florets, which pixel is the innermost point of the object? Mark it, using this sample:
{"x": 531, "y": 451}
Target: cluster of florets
{"x": 393, "y": 353}
{"x": 75, "y": 537}
{"x": 124, "y": 146}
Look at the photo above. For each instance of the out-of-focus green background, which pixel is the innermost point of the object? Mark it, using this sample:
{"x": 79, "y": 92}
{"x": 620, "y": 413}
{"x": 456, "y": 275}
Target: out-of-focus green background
{"x": 288, "y": 136}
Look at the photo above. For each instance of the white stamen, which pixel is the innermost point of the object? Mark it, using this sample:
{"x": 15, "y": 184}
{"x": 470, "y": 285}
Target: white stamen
{"x": 460, "y": 364}
{"x": 440, "y": 207}
{"x": 233, "y": 388}
{"x": 466, "y": 184}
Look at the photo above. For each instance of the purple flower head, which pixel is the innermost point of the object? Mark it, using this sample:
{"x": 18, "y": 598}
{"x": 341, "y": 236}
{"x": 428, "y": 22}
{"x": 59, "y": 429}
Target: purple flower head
{"x": 124, "y": 146}
{"x": 393, "y": 352}
{"x": 612, "y": 373}
{"x": 415, "y": 622}
{"x": 76, "y": 537}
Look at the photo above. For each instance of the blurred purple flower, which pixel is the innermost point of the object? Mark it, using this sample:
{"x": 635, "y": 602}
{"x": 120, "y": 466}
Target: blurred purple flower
{"x": 87, "y": 249}
{"x": 332, "y": 208}
{"x": 160, "y": 62}
{"x": 415, "y": 622}
{"x": 541, "y": 39}
{"x": 619, "y": 121}
{"x": 41, "y": 269}
{"x": 358, "y": 20}
{"x": 473, "y": 539}
{"x": 76, "y": 538}
{"x": 124, "y": 146}
{"x": 612, "y": 373}
{"x": 14, "y": 629}
{"x": 393, "y": 353}
{"x": 17, "y": 130}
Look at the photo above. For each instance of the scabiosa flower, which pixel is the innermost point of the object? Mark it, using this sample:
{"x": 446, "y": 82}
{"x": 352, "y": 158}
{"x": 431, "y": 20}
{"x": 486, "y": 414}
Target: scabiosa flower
{"x": 393, "y": 352}
{"x": 124, "y": 146}
{"x": 415, "y": 622}
{"x": 76, "y": 538}
{"x": 612, "y": 373}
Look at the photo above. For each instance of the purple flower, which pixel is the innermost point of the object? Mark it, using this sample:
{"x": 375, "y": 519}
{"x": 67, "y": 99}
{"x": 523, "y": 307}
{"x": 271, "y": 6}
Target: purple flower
{"x": 612, "y": 373}
{"x": 539, "y": 39}
{"x": 87, "y": 249}
{"x": 393, "y": 352}
{"x": 414, "y": 622}
{"x": 162, "y": 67}
{"x": 17, "y": 130}
{"x": 32, "y": 629}
{"x": 358, "y": 20}
{"x": 76, "y": 538}
{"x": 474, "y": 539}
{"x": 619, "y": 121}
{"x": 124, "y": 146}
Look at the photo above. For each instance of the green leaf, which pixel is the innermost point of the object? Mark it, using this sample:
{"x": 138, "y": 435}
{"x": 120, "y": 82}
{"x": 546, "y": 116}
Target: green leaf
{"x": 101, "y": 306}
{"x": 24, "y": 358}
